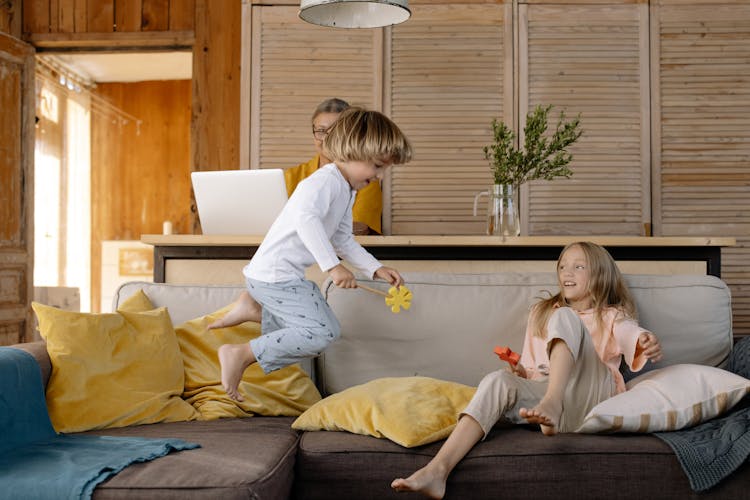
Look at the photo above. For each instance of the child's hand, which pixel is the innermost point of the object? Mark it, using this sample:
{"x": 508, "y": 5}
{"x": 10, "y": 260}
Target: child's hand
{"x": 390, "y": 275}
{"x": 518, "y": 369}
{"x": 649, "y": 345}
{"x": 342, "y": 277}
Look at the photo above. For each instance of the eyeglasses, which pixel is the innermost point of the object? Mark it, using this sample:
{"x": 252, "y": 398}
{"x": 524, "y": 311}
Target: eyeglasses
{"x": 320, "y": 133}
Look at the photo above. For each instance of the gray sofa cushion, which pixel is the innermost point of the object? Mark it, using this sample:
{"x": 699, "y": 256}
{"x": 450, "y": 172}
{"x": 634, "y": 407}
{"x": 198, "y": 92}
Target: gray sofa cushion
{"x": 184, "y": 302}
{"x": 455, "y": 320}
{"x": 248, "y": 458}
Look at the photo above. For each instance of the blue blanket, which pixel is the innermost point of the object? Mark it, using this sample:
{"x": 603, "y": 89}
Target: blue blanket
{"x": 711, "y": 451}
{"x": 38, "y": 463}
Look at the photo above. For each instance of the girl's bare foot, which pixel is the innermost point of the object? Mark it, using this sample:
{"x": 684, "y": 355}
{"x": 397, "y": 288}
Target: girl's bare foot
{"x": 245, "y": 309}
{"x": 234, "y": 359}
{"x": 546, "y": 414}
{"x": 425, "y": 481}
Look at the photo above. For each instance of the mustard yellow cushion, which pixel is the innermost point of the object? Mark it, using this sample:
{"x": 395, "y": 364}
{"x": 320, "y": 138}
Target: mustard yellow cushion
{"x": 138, "y": 302}
{"x": 410, "y": 411}
{"x": 113, "y": 369}
{"x": 288, "y": 391}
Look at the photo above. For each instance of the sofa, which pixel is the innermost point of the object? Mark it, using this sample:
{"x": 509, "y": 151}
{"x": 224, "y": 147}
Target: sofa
{"x": 448, "y": 334}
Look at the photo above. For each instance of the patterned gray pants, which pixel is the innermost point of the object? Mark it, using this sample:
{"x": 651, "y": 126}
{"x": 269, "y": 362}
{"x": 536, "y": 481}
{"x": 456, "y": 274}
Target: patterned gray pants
{"x": 297, "y": 322}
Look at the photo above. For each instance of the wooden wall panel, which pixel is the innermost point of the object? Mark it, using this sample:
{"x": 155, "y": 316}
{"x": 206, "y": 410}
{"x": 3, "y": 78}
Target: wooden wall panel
{"x": 36, "y": 16}
{"x": 701, "y": 79}
{"x": 140, "y": 175}
{"x": 216, "y": 85}
{"x": 16, "y": 188}
{"x": 10, "y": 19}
{"x": 11, "y": 333}
{"x": 295, "y": 75}
{"x": 11, "y": 178}
{"x": 65, "y": 17}
{"x": 181, "y": 15}
{"x": 80, "y": 16}
{"x": 100, "y": 16}
{"x": 590, "y": 60}
{"x": 735, "y": 271}
{"x": 450, "y": 75}
{"x": 155, "y": 15}
{"x": 128, "y": 15}
{"x": 107, "y": 16}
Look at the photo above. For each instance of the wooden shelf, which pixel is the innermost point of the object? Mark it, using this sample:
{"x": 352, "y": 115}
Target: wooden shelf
{"x": 640, "y": 248}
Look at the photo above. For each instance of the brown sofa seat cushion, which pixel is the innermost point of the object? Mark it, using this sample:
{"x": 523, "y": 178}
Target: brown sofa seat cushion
{"x": 246, "y": 458}
{"x": 513, "y": 462}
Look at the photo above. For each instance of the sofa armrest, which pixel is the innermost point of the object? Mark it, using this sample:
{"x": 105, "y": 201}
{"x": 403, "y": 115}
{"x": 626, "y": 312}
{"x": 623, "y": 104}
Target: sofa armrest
{"x": 38, "y": 349}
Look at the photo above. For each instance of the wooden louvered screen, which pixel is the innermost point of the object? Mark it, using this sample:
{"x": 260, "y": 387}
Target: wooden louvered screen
{"x": 592, "y": 60}
{"x": 291, "y": 76}
{"x": 735, "y": 271}
{"x": 701, "y": 81}
{"x": 448, "y": 76}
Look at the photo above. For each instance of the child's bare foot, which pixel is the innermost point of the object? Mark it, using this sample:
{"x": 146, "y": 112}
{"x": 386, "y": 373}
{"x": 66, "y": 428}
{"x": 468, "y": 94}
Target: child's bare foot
{"x": 245, "y": 309}
{"x": 234, "y": 359}
{"x": 425, "y": 481}
{"x": 546, "y": 414}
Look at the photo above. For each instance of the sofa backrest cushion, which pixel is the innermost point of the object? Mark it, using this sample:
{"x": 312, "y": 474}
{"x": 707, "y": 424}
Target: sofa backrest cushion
{"x": 186, "y": 302}
{"x": 455, "y": 321}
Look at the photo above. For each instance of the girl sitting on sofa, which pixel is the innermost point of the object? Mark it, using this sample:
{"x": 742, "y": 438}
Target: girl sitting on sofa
{"x": 575, "y": 341}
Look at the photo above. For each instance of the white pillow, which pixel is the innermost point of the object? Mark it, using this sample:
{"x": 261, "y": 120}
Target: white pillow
{"x": 668, "y": 399}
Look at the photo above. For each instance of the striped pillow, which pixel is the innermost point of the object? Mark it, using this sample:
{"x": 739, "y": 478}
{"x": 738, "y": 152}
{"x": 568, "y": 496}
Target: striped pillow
{"x": 668, "y": 399}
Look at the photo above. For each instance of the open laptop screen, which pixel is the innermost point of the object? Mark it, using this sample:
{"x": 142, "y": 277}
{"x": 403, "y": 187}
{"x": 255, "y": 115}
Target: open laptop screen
{"x": 242, "y": 202}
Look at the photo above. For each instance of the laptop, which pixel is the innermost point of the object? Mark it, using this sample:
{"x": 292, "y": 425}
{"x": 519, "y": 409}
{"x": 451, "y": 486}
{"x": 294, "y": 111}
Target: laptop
{"x": 242, "y": 202}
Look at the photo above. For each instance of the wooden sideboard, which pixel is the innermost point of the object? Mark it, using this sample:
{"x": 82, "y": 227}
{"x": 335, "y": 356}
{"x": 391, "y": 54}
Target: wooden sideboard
{"x": 701, "y": 254}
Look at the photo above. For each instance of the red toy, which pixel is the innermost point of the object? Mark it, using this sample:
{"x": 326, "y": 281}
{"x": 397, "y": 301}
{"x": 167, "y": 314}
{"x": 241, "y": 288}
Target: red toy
{"x": 507, "y": 355}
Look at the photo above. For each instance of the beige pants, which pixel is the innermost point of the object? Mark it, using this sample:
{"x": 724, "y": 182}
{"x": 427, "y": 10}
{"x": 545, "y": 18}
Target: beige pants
{"x": 501, "y": 394}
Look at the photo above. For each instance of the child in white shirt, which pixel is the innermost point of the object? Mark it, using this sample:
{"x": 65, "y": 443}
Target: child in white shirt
{"x": 315, "y": 226}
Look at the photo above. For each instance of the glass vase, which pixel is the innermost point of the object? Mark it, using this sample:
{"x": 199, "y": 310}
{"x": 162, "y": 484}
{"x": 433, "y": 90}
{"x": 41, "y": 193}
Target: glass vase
{"x": 503, "y": 217}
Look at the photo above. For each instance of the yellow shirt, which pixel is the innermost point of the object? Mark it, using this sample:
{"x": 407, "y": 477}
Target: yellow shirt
{"x": 368, "y": 205}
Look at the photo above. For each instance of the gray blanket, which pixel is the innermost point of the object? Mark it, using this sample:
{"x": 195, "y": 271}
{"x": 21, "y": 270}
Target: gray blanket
{"x": 711, "y": 451}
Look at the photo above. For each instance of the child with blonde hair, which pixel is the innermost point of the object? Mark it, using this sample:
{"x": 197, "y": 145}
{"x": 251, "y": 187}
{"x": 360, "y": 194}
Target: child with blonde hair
{"x": 574, "y": 343}
{"x": 368, "y": 204}
{"x": 315, "y": 226}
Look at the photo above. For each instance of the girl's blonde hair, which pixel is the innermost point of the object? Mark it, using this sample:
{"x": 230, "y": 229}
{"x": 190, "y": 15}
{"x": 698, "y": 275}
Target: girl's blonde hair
{"x": 361, "y": 135}
{"x": 606, "y": 287}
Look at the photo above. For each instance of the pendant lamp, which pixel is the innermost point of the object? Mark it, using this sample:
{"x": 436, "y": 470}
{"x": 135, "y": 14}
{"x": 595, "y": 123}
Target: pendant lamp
{"x": 354, "y": 13}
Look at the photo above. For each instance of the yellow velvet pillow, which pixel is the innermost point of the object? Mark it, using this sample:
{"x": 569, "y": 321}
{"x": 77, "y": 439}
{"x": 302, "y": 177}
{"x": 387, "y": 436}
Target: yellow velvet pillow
{"x": 288, "y": 391}
{"x": 410, "y": 411}
{"x": 112, "y": 369}
{"x": 138, "y": 302}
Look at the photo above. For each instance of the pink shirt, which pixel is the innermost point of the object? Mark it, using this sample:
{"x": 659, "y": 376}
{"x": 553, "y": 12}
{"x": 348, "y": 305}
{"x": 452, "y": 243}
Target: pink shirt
{"x": 617, "y": 338}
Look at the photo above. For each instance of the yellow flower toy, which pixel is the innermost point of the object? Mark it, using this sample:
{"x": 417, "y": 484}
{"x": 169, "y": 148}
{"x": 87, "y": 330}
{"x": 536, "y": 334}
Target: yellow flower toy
{"x": 396, "y": 298}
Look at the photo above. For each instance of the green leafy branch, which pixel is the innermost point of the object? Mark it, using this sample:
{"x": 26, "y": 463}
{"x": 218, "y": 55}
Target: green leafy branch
{"x": 541, "y": 158}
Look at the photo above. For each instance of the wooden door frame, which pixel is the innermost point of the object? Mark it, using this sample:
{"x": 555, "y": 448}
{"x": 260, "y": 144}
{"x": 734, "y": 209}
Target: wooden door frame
{"x": 17, "y": 257}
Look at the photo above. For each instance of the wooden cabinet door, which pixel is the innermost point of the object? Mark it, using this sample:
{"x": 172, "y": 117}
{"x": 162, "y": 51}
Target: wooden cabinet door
{"x": 590, "y": 59}
{"x": 448, "y": 74}
{"x": 295, "y": 66}
{"x": 16, "y": 189}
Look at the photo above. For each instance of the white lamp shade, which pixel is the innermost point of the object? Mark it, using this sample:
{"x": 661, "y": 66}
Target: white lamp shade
{"x": 354, "y": 13}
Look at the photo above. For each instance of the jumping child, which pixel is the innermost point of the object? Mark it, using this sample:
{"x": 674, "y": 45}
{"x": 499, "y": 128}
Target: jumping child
{"x": 315, "y": 226}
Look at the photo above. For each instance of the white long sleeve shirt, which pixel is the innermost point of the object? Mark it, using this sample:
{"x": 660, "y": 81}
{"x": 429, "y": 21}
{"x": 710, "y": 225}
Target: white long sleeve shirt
{"x": 315, "y": 226}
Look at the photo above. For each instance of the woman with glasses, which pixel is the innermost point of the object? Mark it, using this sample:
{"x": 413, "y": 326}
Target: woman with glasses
{"x": 368, "y": 206}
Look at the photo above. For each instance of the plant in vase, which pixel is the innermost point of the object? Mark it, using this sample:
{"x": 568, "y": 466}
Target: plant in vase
{"x": 542, "y": 157}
